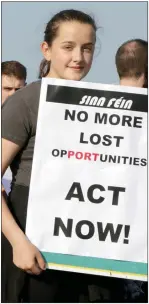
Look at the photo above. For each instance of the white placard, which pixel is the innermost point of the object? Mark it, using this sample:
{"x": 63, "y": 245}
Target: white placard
{"x": 88, "y": 192}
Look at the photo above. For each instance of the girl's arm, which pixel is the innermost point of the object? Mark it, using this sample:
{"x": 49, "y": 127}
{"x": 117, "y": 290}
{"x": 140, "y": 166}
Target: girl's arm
{"x": 25, "y": 255}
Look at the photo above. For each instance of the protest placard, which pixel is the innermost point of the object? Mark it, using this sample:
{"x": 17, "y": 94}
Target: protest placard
{"x": 87, "y": 209}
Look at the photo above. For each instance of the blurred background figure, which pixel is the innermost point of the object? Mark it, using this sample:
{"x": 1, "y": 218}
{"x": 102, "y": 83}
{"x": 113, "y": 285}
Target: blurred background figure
{"x": 132, "y": 63}
{"x": 132, "y": 67}
{"x": 13, "y": 78}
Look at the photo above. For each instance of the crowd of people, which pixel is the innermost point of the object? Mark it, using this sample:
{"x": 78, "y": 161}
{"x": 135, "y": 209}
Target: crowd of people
{"x": 68, "y": 48}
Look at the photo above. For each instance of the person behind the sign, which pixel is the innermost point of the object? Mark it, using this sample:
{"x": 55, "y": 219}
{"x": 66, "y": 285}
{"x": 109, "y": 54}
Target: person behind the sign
{"x": 68, "y": 49}
{"x": 132, "y": 66}
{"x": 13, "y": 78}
{"x": 132, "y": 63}
{"x": 13, "y": 75}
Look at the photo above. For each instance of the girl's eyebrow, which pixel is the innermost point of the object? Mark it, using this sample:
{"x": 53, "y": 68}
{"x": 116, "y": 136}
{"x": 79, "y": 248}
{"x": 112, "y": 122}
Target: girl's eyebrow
{"x": 72, "y": 42}
{"x": 68, "y": 42}
{"x": 88, "y": 43}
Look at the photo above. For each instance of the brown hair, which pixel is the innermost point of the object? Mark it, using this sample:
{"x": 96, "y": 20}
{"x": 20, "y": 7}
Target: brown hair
{"x": 14, "y": 68}
{"x": 52, "y": 29}
{"x": 132, "y": 59}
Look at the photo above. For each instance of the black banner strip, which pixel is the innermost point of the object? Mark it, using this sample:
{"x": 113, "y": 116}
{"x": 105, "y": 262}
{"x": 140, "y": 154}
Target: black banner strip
{"x": 72, "y": 95}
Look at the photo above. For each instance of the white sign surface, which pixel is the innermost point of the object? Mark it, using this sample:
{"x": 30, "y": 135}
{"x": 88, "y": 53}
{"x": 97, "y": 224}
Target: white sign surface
{"x": 87, "y": 209}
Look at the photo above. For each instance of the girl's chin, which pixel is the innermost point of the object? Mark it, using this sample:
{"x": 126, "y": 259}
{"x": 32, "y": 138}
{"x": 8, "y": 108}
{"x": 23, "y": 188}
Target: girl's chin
{"x": 75, "y": 77}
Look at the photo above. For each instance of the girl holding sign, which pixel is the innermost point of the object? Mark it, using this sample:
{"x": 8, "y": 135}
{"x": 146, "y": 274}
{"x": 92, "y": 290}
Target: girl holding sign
{"x": 68, "y": 49}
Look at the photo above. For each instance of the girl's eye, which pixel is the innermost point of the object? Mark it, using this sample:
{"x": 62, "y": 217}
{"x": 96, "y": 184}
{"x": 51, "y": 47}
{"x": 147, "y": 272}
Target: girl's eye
{"x": 88, "y": 49}
{"x": 68, "y": 47}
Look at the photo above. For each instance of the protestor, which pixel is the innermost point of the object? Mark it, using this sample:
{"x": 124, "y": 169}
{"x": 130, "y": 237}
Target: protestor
{"x": 132, "y": 66}
{"x": 68, "y": 49}
{"x": 13, "y": 78}
{"x": 132, "y": 63}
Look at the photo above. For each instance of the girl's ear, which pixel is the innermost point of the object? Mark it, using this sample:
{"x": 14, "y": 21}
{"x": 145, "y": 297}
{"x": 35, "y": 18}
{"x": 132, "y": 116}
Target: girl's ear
{"x": 46, "y": 51}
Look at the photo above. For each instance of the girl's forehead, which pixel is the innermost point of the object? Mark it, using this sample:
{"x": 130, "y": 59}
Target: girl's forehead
{"x": 75, "y": 29}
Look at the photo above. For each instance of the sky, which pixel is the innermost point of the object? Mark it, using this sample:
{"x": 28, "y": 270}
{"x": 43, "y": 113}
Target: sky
{"x": 23, "y": 25}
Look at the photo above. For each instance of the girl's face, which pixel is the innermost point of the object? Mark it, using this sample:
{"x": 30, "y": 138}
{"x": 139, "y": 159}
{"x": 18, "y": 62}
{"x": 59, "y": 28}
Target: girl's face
{"x": 71, "y": 52}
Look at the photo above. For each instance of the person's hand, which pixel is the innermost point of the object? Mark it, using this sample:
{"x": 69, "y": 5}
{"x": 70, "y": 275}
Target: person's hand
{"x": 27, "y": 257}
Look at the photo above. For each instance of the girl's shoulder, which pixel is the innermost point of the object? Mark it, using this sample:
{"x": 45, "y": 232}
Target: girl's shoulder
{"x": 19, "y": 114}
{"x": 30, "y": 93}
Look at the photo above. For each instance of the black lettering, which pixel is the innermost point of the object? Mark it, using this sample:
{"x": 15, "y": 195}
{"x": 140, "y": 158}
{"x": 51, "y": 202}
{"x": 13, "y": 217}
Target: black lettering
{"x": 118, "y": 159}
{"x": 59, "y": 224}
{"x": 102, "y": 233}
{"x": 90, "y": 194}
{"x": 118, "y": 138}
{"x": 130, "y": 161}
{"x": 95, "y": 139}
{"x": 107, "y": 140}
{"x": 70, "y": 115}
{"x": 111, "y": 120}
{"x": 112, "y": 159}
{"x": 137, "y": 122}
{"x": 90, "y": 232}
{"x": 126, "y": 121}
{"x": 100, "y": 118}
{"x": 116, "y": 191}
{"x": 136, "y": 161}
{"x": 79, "y": 194}
{"x": 55, "y": 152}
{"x": 125, "y": 158}
{"x": 103, "y": 157}
{"x": 82, "y": 116}
{"x": 82, "y": 141}
{"x": 143, "y": 162}
{"x": 63, "y": 152}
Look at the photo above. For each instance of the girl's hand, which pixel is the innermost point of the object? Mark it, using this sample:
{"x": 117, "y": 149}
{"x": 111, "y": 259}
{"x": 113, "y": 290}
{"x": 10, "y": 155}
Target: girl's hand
{"x": 27, "y": 257}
